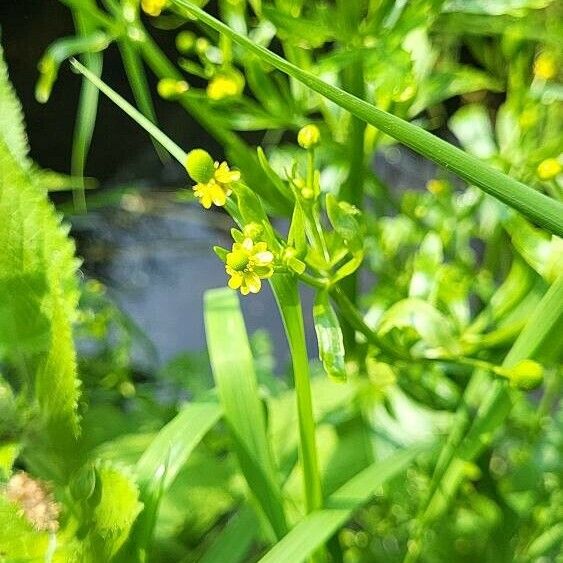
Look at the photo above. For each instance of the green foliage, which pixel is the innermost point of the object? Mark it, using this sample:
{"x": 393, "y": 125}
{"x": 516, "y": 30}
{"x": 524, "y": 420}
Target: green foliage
{"x": 39, "y": 290}
{"x": 428, "y": 446}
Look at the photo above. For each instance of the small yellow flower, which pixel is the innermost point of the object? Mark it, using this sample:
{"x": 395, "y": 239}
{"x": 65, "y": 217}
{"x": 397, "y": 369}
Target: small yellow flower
{"x": 436, "y": 186}
{"x": 153, "y": 7}
{"x": 216, "y": 190}
{"x": 228, "y": 84}
{"x": 549, "y": 169}
{"x": 248, "y": 263}
{"x": 545, "y": 66}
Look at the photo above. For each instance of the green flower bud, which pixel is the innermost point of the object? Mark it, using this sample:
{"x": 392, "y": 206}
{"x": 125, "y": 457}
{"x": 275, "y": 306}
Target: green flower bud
{"x": 185, "y": 41}
{"x": 169, "y": 88}
{"x": 83, "y": 483}
{"x": 252, "y": 231}
{"x": 525, "y": 375}
{"x": 200, "y": 166}
{"x": 309, "y": 136}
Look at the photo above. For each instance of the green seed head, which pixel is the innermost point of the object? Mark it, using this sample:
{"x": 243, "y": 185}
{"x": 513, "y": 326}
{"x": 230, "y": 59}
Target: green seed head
{"x": 200, "y": 166}
{"x": 526, "y": 375}
{"x": 309, "y": 136}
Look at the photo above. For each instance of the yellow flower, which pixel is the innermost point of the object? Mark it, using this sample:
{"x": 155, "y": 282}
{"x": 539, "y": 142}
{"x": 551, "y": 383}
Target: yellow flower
{"x": 227, "y": 84}
{"x": 545, "y": 66}
{"x": 153, "y": 7}
{"x": 248, "y": 263}
{"x": 549, "y": 169}
{"x": 216, "y": 190}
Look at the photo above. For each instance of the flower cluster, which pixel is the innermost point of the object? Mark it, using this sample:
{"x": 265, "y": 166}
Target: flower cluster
{"x": 248, "y": 263}
{"x": 213, "y": 179}
{"x": 34, "y": 500}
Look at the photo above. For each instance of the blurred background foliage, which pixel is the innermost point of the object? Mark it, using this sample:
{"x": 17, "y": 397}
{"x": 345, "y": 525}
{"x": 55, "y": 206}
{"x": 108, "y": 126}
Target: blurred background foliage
{"x": 447, "y": 273}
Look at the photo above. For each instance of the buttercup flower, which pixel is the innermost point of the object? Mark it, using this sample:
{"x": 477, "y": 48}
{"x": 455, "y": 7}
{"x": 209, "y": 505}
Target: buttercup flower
{"x": 549, "y": 169}
{"x": 545, "y": 66}
{"x": 309, "y": 136}
{"x": 153, "y": 7}
{"x": 248, "y": 263}
{"x": 213, "y": 179}
{"x": 227, "y": 84}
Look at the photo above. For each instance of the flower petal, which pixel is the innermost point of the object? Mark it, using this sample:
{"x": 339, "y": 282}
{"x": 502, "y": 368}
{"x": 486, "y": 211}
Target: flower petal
{"x": 263, "y": 258}
{"x": 253, "y": 282}
{"x": 235, "y": 281}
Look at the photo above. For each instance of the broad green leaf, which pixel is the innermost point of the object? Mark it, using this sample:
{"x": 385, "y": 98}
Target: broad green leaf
{"x": 316, "y": 528}
{"x": 543, "y": 210}
{"x": 12, "y": 128}
{"x": 113, "y": 508}
{"x": 329, "y": 337}
{"x": 36, "y": 246}
{"x": 233, "y": 370}
{"x": 19, "y": 540}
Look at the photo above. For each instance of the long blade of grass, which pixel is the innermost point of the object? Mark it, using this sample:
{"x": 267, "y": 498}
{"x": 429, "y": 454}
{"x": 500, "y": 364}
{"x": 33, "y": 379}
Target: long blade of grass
{"x": 541, "y": 209}
{"x": 234, "y": 541}
{"x": 86, "y": 114}
{"x": 316, "y": 528}
{"x": 140, "y": 87}
{"x": 162, "y": 460}
{"x": 178, "y": 153}
{"x": 233, "y": 370}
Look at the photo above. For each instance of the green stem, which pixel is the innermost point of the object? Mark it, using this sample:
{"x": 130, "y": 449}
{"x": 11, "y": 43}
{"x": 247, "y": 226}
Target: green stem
{"x": 178, "y": 153}
{"x": 541, "y": 209}
{"x": 289, "y": 304}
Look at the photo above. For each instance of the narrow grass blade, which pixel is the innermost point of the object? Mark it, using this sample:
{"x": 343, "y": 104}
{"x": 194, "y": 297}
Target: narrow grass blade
{"x": 140, "y": 87}
{"x": 162, "y": 460}
{"x": 233, "y": 370}
{"x": 541, "y": 209}
{"x": 316, "y": 528}
{"x": 178, "y": 153}
{"x": 234, "y": 541}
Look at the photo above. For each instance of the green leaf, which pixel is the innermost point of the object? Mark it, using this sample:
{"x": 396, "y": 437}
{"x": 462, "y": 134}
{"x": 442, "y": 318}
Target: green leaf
{"x": 472, "y": 126}
{"x": 541, "y": 338}
{"x": 416, "y": 327}
{"x": 36, "y": 247}
{"x": 233, "y": 370}
{"x": 541, "y": 209}
{"x": 113, "y": 508}
{"x": 316, "y": 528}
{"x": 234, "y": 541}
{"x": 162, "y": 460}
{"x": 329, "y": 337}
{"x": 12, "y": 129}
{"x": 19, "y": 540}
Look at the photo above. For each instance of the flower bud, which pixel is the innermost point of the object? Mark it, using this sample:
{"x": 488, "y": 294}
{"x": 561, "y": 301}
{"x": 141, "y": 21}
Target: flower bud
{"x": 525, "y": 375}
{"x": 252, "y": 231}
{"x": 185, "y": 41}
{"x": 169, "y": 88}
{"x": 309, "y": 136}
{"x": 200, "y": 166}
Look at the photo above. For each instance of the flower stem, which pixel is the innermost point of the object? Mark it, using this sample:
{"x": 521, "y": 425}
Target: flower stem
{"x": 289, "y": 304}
